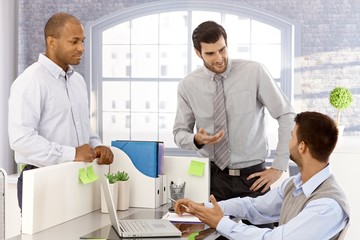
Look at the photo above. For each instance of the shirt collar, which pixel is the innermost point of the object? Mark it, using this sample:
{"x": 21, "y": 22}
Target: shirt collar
{"x": 53, "y": 68}
{"x": 309, "y": 187}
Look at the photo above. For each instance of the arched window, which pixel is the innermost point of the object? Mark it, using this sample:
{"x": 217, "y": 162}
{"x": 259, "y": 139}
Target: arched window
{"x": 137, "y": 57}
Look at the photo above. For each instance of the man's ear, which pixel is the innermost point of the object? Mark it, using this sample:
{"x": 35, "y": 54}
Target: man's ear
{"x": 302, "y": 147}
{"x": 50, "y": 41}
{"x": 198, "y": 53}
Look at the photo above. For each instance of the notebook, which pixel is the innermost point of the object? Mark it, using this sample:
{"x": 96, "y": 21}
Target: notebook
{"x": 130, "y": 228}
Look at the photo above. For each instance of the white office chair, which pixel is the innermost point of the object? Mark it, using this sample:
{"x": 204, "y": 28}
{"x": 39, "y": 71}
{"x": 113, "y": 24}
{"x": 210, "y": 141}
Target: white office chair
{"x": 343, "y": 232}
{"x": 2, "y": 203}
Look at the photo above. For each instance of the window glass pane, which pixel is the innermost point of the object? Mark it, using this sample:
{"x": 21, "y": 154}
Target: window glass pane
{"x": 116, "y": 96}
{"x": 116, "y": 126}
{"x": 118, "y": 34}
{"x": 167, "y": 109}
{"x": 144, "y": 126}
{"x": 173, "y": 28}
{"x": 144, "y": 30}
{"x": 270, "y": 56}
{"x": 202, "y": 16}
{"x": 144, "y": 97}
{"x": 166, "y": 123}
{"x": 196, "y": 62}
{"x": 116, "y": 61}
{"x": 144, "y": 61}
{"x": 239, "y": 51}
{"x": 167, "y": 97}
{"x": 264, "y": 33}
{"x": 271, "y": 129}
{"x": 173, "y": 61}
{"x": 237, "y": 29}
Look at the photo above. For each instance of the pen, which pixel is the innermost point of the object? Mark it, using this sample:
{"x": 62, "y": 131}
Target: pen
{"x": 174, "y": 201}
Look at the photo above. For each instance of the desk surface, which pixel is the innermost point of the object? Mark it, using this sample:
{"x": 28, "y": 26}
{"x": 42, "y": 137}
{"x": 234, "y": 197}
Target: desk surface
{"x": 89, "y": 223}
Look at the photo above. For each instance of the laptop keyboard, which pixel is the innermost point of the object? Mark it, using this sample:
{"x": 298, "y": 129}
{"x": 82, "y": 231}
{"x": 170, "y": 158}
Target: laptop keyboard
{"x": 135, "y": 226}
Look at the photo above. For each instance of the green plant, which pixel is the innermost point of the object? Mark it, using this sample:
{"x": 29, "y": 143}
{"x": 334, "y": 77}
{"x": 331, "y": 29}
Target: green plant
{"x": 111, "y": 177}
{"x": 340, "y": 98}
{"x": 121, "y": 176}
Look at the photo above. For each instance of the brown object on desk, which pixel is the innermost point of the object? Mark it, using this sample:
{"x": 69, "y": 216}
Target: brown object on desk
{"x": 204, "y": 233}
{"x": 189, "y": 228}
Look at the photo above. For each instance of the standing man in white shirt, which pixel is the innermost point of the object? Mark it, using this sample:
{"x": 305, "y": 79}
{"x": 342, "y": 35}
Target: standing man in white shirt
{"x": 248, "y": 89}
{"x": 49, "y": 121}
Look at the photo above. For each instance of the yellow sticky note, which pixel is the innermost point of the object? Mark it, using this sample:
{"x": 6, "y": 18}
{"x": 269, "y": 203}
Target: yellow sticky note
{"x": 91, "y": 174}
{"x": 83, "y": 177}
{"x": 193, "y": 235}
{"x": 196, "y": 168}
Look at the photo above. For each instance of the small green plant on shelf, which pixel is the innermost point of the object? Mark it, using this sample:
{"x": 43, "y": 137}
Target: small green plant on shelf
{"x": 340, "y": 98}
{"x": 111, "y": 177}
{"x": 121, "y": 176}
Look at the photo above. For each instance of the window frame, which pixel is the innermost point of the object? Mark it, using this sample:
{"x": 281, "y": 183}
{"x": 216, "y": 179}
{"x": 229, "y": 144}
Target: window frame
{"x": 93, "y": 60}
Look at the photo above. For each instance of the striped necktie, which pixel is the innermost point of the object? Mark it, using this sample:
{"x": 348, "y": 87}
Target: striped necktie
{"x": 222, "y": 150}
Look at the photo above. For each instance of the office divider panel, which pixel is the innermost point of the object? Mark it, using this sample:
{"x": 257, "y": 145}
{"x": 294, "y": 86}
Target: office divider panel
{"x": 55, "y": 194}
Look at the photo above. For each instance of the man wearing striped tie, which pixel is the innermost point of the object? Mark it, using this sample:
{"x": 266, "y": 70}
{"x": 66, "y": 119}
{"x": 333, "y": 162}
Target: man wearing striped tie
{"x": 226, "y": 101}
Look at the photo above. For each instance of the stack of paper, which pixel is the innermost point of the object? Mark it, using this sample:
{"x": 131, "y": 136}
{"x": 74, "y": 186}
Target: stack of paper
{"x": 185, "y": 218}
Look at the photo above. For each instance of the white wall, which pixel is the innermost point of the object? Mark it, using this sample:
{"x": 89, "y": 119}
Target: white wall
{"x": 8, "y": 72}
{"x": 345, "y": 164}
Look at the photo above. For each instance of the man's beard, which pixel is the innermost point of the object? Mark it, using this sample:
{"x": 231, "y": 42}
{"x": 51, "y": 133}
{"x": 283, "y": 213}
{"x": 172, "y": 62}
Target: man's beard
{"x": 213, "y": 69}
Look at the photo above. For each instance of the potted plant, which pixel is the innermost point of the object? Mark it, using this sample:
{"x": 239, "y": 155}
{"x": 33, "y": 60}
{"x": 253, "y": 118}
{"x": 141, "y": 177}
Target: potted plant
{"x": 340, "y": 98}
{"x": 123, "y": 190}
{"x": 121, "y": 176}
{"x": 113, "y": 189}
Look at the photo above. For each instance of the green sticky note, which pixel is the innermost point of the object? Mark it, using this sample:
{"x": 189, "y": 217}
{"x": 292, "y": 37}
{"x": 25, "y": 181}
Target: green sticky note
{"x": 196, "y": 168}
{"x": 91, "y": 174}
{"x": 83, "y": 176}
{"x": 193, "y": 235}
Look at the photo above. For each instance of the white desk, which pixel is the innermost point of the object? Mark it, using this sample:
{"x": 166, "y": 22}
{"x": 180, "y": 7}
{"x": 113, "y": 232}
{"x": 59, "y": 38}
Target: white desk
{"x": 78, "y": 227}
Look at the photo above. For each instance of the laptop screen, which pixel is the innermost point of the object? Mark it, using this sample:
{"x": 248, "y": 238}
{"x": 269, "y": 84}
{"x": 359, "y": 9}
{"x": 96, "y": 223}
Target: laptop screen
{"x": 137, "y": 227}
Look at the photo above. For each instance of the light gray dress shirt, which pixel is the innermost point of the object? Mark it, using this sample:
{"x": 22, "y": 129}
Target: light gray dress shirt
{"x": 48, "y": 115}
{"x": 249, "y": 89}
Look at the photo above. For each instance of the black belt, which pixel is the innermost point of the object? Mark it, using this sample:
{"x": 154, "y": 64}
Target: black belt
{"x": 245, "y": 171}
{"x": 29, "y": 167}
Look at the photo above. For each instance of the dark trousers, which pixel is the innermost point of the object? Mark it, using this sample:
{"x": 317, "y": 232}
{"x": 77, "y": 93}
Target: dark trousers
{"x": 223, "y": 186}
{"x": 20, "y": 184}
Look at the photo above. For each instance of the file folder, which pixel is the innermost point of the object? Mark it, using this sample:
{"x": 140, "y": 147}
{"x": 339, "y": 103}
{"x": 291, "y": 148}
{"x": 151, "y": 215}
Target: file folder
{"x": 147, "y": 156}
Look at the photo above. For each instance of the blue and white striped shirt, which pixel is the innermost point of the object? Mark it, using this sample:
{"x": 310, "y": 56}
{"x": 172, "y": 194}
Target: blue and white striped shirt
{"x": 49, "y": 114}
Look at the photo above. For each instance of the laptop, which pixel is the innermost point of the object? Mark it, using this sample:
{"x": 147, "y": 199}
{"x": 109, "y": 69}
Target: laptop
{"x": 133, "y": 228}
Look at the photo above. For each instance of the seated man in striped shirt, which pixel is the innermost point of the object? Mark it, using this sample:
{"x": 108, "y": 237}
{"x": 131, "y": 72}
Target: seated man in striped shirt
{"x": 310, "y": 205}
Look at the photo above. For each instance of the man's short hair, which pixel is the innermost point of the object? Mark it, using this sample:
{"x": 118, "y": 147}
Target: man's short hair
{"x": 208, "y": 32}
{"x": 56, "y": 22}
{"x": 319, "y": 132}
